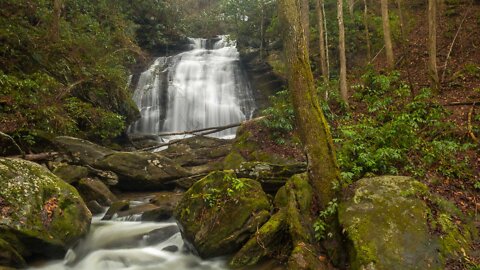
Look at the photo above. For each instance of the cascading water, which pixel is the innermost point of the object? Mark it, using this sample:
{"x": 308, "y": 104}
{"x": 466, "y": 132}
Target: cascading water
{"x": 201, "y": 88}
{"x": 132, "y": 245}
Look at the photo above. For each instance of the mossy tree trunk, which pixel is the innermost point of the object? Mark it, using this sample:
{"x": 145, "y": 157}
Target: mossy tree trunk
{"x": 341, "y": 49}
{"x": 57, "y": 14}
{"x": 321, "y": 34}
{"x": 313, "y": 128}
{"x": 387, "y": 36}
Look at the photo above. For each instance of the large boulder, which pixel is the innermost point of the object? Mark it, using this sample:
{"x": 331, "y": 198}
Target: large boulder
{"x": 39, "y": 211}
{"x": 141, "y": 170}
{"x": 83, "y": 151}
{"x": 219, "y": 213}
{"x": 389, "y": 225}
{"x": 70, "y": 173}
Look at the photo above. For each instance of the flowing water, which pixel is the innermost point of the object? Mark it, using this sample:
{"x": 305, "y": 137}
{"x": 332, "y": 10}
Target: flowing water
{"x": 132, "y": 245}
{"x": 201, "y": 88}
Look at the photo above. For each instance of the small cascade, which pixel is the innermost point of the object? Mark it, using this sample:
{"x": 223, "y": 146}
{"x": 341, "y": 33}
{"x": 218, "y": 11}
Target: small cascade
{"x": 201, "y": 88}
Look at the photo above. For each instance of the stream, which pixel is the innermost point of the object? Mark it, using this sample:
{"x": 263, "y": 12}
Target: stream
{"x": 127, "y": 243}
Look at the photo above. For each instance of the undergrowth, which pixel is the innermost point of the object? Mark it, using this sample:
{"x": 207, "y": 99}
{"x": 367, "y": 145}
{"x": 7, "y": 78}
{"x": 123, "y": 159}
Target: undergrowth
{"x": 389, "y": 132}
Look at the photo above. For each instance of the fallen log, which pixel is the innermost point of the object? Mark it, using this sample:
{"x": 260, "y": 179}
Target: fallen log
{"x": 38, "y": 157}
{"x": 463, "y": 103}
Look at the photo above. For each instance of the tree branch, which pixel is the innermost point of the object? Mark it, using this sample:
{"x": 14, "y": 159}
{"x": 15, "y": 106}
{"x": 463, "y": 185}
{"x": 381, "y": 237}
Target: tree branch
{"x": 14, "y": 143}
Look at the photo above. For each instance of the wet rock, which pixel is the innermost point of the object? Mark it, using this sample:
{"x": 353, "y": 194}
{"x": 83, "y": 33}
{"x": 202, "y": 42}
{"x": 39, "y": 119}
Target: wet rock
{"x": 94, "y": 207}
{"x": 171, "y": 249}
{"x": 95, "y": 190}
{"x": 162, "y": 234}
{"x": 219, "y": 213}
{"x": 271, "y": 176}
{"x": 115, "y": 208}
{"x": 10, "y": 256}
{"x": 83, "y": 151}
{"x": 166, "y": 203}
{"x": 388, "y": 224}
{"x": 71, "y": 173}
{"x": 141, "y": 170}
{"x": 39, "y": 210}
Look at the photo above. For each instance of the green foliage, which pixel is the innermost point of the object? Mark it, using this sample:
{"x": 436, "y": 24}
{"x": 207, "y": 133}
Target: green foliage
{"x": 397, "y": 133}
{"x": 320, "y": 226}
{"x": 279, "y": 117}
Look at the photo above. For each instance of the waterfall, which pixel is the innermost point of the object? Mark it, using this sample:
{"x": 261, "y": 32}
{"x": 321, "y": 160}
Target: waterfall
{"x": 201, "y": 88}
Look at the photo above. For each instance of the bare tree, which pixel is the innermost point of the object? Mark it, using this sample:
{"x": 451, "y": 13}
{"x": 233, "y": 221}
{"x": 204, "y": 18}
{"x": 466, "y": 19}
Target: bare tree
{"x": 341, "y": 47}
{"x": 321, "y": 34}
{"x": 367, "y": 31}
{"x": 432, "y": 44}
{"x": 387, "y": 36}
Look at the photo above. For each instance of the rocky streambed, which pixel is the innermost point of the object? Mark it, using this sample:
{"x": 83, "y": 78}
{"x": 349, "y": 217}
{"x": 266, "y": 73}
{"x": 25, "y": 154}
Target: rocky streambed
{"x": 212, "y": 204}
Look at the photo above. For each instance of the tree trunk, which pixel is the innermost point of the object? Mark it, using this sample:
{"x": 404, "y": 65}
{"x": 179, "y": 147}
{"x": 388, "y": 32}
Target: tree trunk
{"x": 262, "y": 32}
{"x": 305, "y": 15}
{"x": 432, "y": 44}
{"x": 57, "y": 14}
{"x": 367, "y": 31}
{"x": 351, "y": 4}
{"x": 402, "y": 21}
{"x": 321, "y": 34}
{"x": 341, "y": 47}
{"x": 387, "y": 36}
{"x": 323, "y": 171}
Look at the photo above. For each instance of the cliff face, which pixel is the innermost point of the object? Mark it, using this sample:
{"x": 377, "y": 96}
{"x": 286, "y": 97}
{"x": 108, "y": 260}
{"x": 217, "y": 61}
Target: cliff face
{"x": 264, "y": 81}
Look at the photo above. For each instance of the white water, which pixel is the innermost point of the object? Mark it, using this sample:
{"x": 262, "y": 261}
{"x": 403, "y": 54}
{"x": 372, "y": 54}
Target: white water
{"x": 116, "y": 245}
{"x": 200, "y": 88}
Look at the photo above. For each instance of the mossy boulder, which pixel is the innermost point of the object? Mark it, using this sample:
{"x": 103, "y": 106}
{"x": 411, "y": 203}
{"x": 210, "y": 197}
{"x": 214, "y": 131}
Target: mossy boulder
{"x": 387, "y": 223}
{"x": 71, "y": 173}
{"x": 92, "y": 189}
{"x": 219, "y": 213}
{"x": 141, "y": 170}
{"x": 271, "y": 176}
{"x": 83, "y": 151}
{"x": 39, "y": 210}
{"x": 247, "y": 148}
{"x": 10, "y": 256}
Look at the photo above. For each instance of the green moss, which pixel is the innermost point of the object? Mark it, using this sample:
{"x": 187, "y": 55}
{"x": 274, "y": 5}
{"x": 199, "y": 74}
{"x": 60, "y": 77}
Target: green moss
{"x": 218, "y": 217}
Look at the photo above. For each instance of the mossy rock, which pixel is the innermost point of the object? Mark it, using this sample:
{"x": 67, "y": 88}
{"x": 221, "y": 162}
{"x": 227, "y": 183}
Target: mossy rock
{"x": 141, "y": 170}
{"x": 10, "y": 256}
{"x": 71, "y": 173}
{"x": 246, "y": 148}
{"x": 83, "y": 151}
{"x": 39, "y": 210}
{"x": 92, "y": 189}
{"x": 271, "y": 176}
{"x": 219, "y": 213}
{"x": 267, "y": 241}
{"x": 387, "y": 225}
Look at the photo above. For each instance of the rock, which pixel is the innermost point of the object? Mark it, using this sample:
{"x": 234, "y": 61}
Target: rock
{"x": 95, "y": 190}
{"x": 9, "y": 256}
{"x": 39, "y": 210}
{"x": 271, "y": 176}
{"x": 160, "y": 235}
{"x": 219, "y": 213}
{"x": 141, "y": 170}
{"x": 171, "y": 249}
{"x": 388, "y": 224}
{"x": 166, "y": 203}
{"x": 281, "y": 199}
{"x": 305, "y": 257}
{"x": 269, "y": 239}
{"x": 71, "y": 173}
{"x": 115, "y": 208}
{"x": 246, "y": 148}
{"x": 94, "y": 207}
{"x": 84, "y": 151}
{"x": 198, "y": 150}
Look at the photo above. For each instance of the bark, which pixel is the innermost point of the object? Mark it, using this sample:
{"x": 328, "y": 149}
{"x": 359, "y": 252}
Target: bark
{"x": 341, "y": 47}
{"x": 432, "y": 44}
{"x": 367, "y": 31}
{"x": 321, "y": 33}
{"x": 57, "y": 14}
{"x": 323, "y": 171}
{"x": 351, "y": 4}
{"x": 305, "y": 15}
{"x": 402, "y": 21}
{"x": 387, "y": 36}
